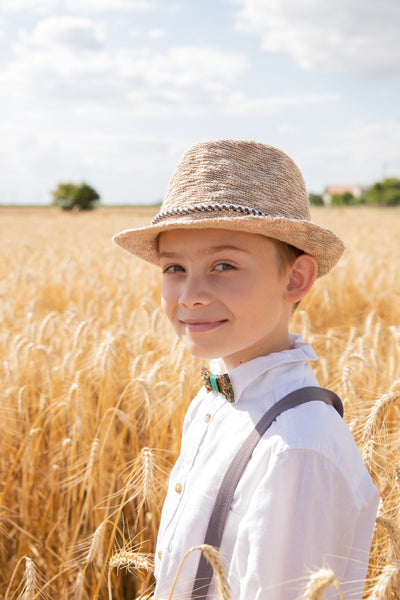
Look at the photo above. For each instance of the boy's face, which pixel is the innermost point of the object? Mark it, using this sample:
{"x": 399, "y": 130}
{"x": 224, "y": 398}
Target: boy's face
{"x": 223, "y": 293}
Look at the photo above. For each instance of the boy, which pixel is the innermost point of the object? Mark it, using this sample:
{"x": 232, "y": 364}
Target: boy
{"x": 237, "y": 251}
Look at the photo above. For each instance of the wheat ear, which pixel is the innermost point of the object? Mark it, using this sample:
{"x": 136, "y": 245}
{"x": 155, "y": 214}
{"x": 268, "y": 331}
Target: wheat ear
{"x": 393, "y": 533}
{"x": 388, "y": 583}
{"x": 213, "y": 557}
{"x": 377, "y": 415}
{"x": 126, "y": 559}
{"x": 30, "y": 580}
{"x": 318, "y": 582}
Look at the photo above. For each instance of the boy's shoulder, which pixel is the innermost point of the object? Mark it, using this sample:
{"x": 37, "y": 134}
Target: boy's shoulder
{"x": 317, "y": 428}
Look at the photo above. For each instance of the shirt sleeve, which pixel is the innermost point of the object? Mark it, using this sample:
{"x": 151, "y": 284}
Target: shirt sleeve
{"x": 301, "y": 516}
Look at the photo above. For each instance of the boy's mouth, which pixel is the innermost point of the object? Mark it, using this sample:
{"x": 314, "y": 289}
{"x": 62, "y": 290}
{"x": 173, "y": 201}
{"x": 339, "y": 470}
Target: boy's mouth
{"x": 195, "y": 326}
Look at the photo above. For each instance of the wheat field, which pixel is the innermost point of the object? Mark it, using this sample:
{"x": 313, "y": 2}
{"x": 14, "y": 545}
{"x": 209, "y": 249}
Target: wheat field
{"x": 94, "y": 388}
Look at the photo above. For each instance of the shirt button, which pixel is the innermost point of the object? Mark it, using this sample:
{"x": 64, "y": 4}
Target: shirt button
{"x": 178, "y": 488}
{"x": 159, "y": 555}
{"x": 207, "y": 418}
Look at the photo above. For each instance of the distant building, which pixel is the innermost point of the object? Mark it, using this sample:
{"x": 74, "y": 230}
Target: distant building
{"x": 356, "y": 190}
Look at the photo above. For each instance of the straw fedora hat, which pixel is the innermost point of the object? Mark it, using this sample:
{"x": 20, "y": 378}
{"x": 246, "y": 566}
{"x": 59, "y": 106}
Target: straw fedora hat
{"x": 241, "y": 186}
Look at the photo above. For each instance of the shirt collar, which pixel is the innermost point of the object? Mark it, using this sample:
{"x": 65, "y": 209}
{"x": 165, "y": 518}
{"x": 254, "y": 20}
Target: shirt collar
{"x": 242, "y": 375}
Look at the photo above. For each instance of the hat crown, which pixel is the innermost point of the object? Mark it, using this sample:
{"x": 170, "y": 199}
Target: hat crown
{"x": 241, "y": 174}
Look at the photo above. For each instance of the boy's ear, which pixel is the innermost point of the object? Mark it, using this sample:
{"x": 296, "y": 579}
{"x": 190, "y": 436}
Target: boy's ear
{"x": 301, "y": 276}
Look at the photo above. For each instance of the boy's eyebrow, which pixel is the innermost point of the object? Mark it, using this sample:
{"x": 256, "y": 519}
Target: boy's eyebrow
{"x": 206, "y": 251}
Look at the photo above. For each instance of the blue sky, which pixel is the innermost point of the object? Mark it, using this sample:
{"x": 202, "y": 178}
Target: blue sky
{"x": 114, "y": 91}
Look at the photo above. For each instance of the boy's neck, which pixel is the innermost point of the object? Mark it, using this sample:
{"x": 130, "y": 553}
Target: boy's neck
{"x": 231, "y": 362}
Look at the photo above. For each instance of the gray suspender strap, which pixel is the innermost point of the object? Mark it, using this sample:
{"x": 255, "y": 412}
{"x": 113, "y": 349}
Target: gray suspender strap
{"x": 232, "y": 476}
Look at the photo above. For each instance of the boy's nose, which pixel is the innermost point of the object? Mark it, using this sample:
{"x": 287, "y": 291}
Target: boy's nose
{"x": 194, "y": 292}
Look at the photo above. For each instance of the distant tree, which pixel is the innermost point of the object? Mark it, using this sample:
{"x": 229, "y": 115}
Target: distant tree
{"x": 384, "y": 193}
{"x": 316, "y": 199}
{"x": 63, "y": 195}
{"x": 86, "y": 197}
{"x": 346, "y": 199}
{"x": 70, "y": 196}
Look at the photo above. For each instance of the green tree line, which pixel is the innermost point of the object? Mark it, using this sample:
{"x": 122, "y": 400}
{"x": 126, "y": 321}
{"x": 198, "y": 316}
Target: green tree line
{"x": 70, "y": 196}
{"x": 382, "y": 193}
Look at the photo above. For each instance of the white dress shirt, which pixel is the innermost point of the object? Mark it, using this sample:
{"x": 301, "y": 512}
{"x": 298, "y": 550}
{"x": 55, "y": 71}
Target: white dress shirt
{"x": 305, "y": 499}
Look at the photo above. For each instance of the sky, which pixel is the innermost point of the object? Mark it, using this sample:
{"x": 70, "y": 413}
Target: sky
{"x": 112, "y": 92}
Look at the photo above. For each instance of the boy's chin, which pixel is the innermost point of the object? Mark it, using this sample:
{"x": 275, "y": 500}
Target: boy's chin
{"x": 200, "y": 353}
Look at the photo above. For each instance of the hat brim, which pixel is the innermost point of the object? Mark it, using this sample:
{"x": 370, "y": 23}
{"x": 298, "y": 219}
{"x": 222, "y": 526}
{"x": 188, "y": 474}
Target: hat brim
{"x": 321, "y": 243}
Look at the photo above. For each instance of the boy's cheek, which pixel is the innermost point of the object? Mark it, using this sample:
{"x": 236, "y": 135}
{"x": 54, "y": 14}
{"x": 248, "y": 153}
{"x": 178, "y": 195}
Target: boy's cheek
{"x": 164, "y": 304}
{"x": 167, "y": 307}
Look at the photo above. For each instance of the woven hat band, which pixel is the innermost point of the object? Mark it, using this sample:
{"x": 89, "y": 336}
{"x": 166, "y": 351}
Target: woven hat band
{"x": 200, "y": 211}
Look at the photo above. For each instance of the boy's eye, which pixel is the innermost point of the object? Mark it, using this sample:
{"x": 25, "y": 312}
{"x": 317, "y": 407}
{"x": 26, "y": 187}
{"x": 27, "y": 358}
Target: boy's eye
{"x": 224, "y": 267}
{"x": 173, "y": 269}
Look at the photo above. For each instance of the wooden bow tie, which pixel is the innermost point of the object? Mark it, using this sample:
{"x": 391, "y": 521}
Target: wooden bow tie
{"x": 218, "y": 383}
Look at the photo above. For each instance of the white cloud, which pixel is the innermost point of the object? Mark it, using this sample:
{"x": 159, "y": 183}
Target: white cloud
{"x": 121, "y": 165}
{"x": 357, "y": 36}
{"x": 152, "y": 34}
{"x": 363, "y": 153}
{"x": 67, "y": 59}
{"x": 377, "y": 144}
{"x": 69, "y": 32}
{"x": 287, "y": 129}
{"x": 22, "y": 5}
{"x": 64, "y": 149}
{"x": 102, "y": 5}
{"x": 240, "y": 104}
{"x": 47, "y": 6}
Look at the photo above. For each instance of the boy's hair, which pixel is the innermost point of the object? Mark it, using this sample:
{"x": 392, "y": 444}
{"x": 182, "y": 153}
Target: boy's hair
{"x": 286, "y": 254}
